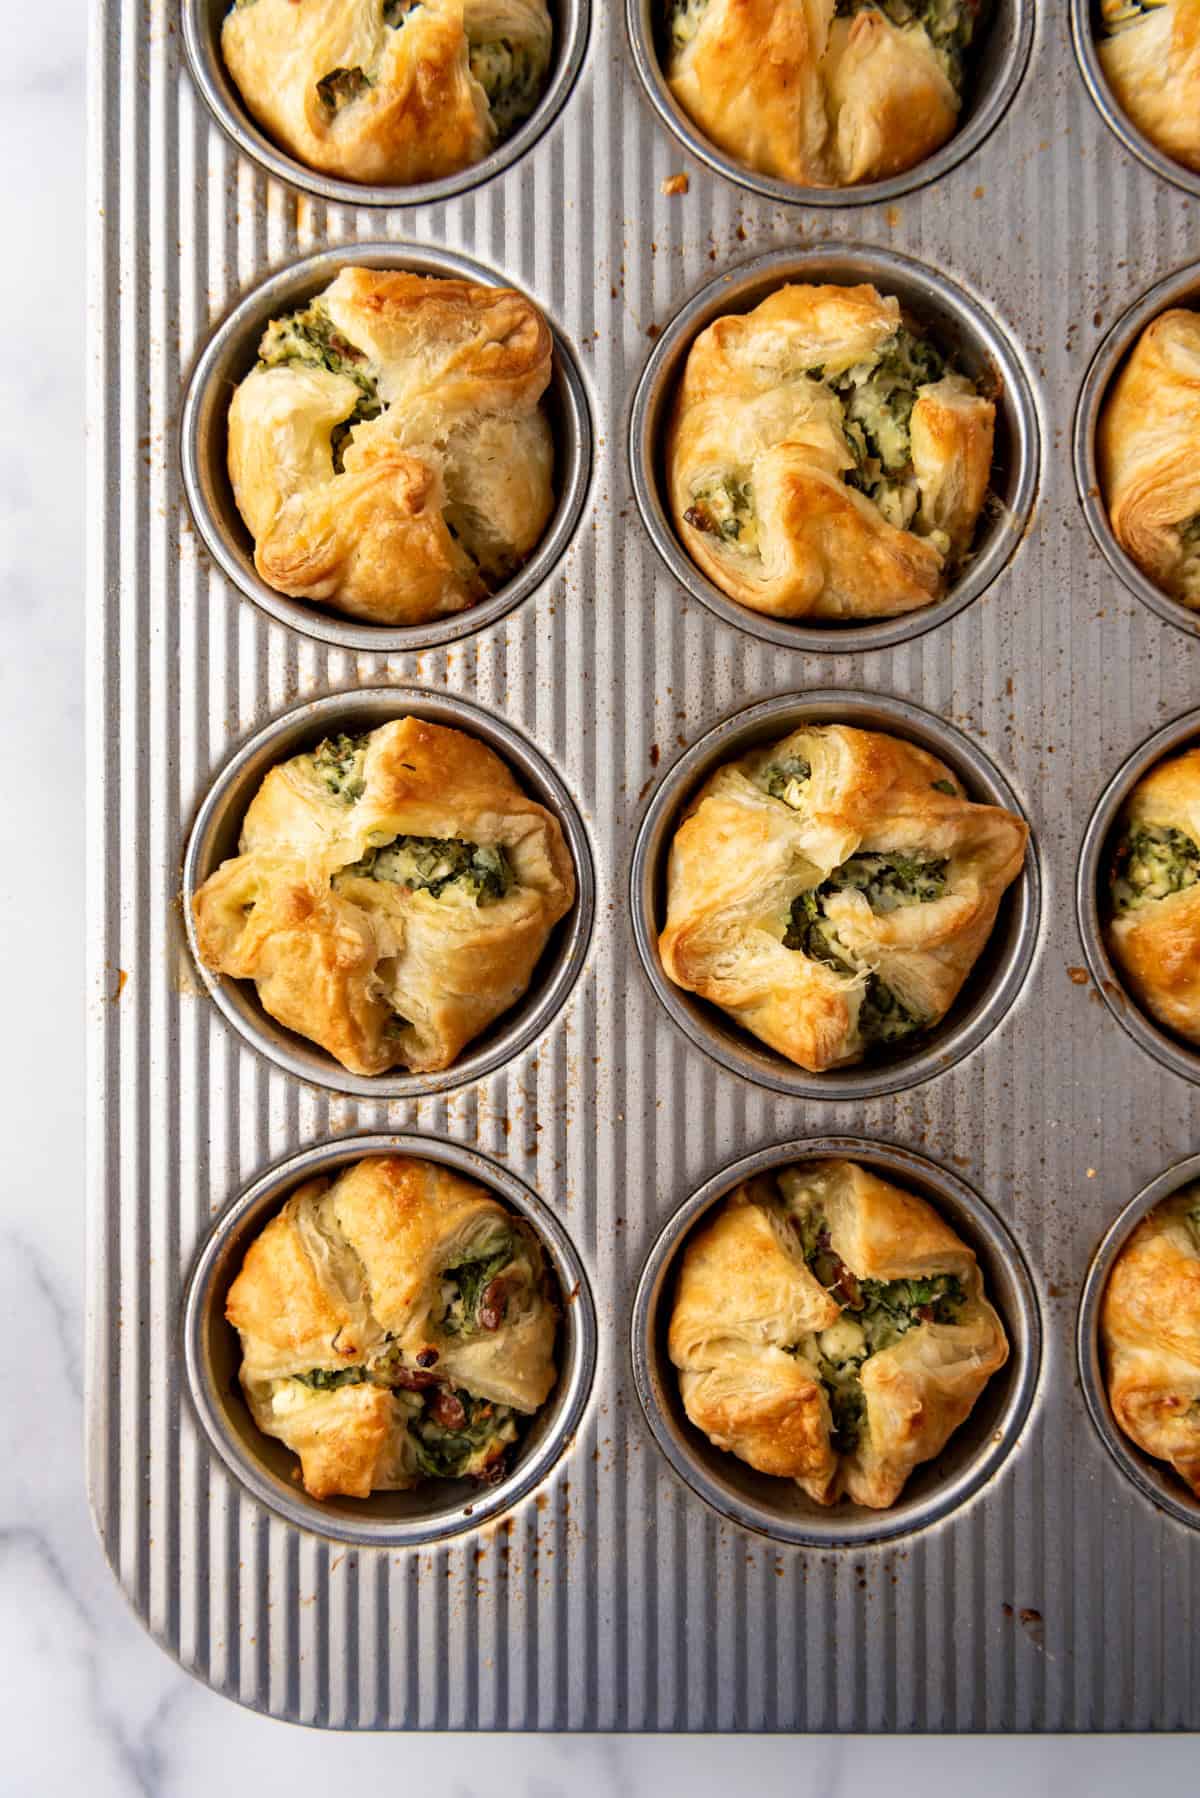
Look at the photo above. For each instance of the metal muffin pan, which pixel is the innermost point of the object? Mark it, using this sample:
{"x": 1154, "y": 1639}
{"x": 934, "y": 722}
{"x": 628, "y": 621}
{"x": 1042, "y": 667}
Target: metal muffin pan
{"x": 1170, "y": 1050}
{"x": 266, "y": 1469}
{"x": 232, "y": 352}
{"x": 1085, "y": 36}
{"x": 990, "y": 988}
{"x": 1156, "y": 1480}
{"x": 214, "y": 839}
{"x": 975, "y": 1453}
{"x": 958, "y": 322}
{"x": 1180, "y": 289}
{"x": 202, "y": 21}
{"x": 997, "y": 70}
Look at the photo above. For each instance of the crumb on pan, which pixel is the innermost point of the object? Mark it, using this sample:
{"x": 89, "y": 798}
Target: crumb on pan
{"x": 674, "y": 184}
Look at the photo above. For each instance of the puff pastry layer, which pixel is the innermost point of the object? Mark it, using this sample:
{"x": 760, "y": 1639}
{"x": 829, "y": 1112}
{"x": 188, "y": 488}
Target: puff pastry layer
{"x": 823, "y": 460}
{"x": 824, "y": 93}
{"x": 392, "y": 896}
{"x": 1150, "y": 1329}
{"x": 388, "y": 91}
{"x": 1154, "y": 892}
{"x": 1151, "y": 56}
{"x": 395, "y": 1326}
{"x": 832, "y": 892}
{"x": 389, "y": 452}
{"x": 829, "y": 1328}
{"x": 1149, "y": 451}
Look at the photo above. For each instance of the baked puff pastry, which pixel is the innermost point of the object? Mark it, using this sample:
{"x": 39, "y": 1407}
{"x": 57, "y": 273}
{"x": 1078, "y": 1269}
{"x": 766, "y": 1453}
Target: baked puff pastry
{"x": 388, "y": 92}
{"x": 1154, "y": 893}
{"x": 1150, "y": 53}
{"x": 1149, "y": 451}
{"x": 389, "y": 452}
{"x": 823, "y": 460}
{"x": 824, "y": 93}
{"x": 395, "y": 1327}
{"x": 1150, "y": 1329}
{"x": 392, "y": 897}
{"x": 830, "y": 1329}
{"x": 832, "y": 892}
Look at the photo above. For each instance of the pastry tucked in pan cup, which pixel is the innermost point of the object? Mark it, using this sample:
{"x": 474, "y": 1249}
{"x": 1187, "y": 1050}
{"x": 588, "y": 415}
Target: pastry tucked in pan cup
{"x": 831, "y": 1329}
{"x": 1150, "y": 1330}
{"x": 1154, "y": 894}
{"x": 1149, "y": 451}
{"x": 392, "y": 896}
{"x": 833, "y": 890}
{"x": 824, "y": 460}
{"x": 823, "y": 93}
{"x": 389, "y": 453}
{"x": 396, "y": 1326}
{"x": 388, "y": 92}
{"x": 1150, "y": 53}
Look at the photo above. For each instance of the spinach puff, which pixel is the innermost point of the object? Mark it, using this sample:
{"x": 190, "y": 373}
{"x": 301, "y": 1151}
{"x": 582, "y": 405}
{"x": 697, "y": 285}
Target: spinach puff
{"x": 1154, "y": 894}
{"x": 392, "y": 895}
{"x": 1150, "y": 53}
{"x": 389, "y": 452}
{"x": 824, "y": 93}
{"x": 824, "y": 460}
{"x": 395, "y": 1327}
{"x": 1150, "y": 1330}
{"x": 832, "y": 892}
{"x": 831, "y": 1329}
{"x": 388, "y": 92}
{"x": 1149, "y": 454}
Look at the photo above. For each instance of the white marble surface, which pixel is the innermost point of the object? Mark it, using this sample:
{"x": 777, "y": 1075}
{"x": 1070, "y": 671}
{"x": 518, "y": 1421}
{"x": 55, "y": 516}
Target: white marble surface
{"x": 87, "y": 1703}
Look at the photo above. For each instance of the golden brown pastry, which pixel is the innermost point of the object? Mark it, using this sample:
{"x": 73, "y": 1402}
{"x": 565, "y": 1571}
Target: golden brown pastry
{"x": 1151, "y": 55}
{"x": 395, "y": 1326}
{"x": 824, "y": 93}
{"x": 388, "y": 91}
{"x": 829, "y": 1328}
{"x": 389, "y": 452}
{"x": 823, "y": 460}
{"x": 1150, "y": 1328}
{"x": 1154, "y": 891}
{"x": 1149, "y": 450}
{"x": 392, "y": 896}
{"x": 832, "y": 892}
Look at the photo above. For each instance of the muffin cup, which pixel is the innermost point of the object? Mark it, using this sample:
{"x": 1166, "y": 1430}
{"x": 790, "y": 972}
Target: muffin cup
{"x": 214, "y": 838}
{"x": 1170, "y": 1050}
{"x": 990, "y": 988}
{"x": 777, "y": 1507}
{"x": 996, "y": 75}
{"x": 1084, "y": 35}
{"x": 1181, "y": 289}
{"x": 268, "y": 1470}
{"x": 958, "y": 321}
{"x": 1155, "y": 1479}
{"x": 202, "y": 20}
{"x": 232, "y": 352}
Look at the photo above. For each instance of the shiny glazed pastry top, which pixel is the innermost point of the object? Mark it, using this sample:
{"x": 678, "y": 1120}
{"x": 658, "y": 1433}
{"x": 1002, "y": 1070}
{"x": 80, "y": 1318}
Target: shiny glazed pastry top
{"x": 824, "y": 460}
{"x": 1150, "y": 1328}
{"x": 830, "y": 1329}
{"x": 1154, "y": 893}
{"x": 392, "y": 895}
{"x": 823, "y": 93}
{"x": 833, "y": 890}
{"x": 1149, "y": 454}
{"x": 1150, "y": 52}
{"x": 388, "y": 92}
{"x": 395, "y": 1327}
{"x": 389, "y": 452}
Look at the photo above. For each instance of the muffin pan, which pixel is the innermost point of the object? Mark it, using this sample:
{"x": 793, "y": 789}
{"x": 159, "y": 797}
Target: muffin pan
{"x": 623, "y": 1578}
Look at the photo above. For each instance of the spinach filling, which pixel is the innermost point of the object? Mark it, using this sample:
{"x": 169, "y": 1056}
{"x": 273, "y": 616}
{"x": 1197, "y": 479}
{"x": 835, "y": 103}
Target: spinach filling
{"x": 683, "y": 21}
{"x": 341, "y": 87}
{"x": 786, "y": 779}
{"x": 1117, "y": 15}
{"x": 877, "y": 405}
{"x": 945, "y": 786}
{"x": 1152, "y": 861}
{"x": 510, "y": 77}
{"x": 1187, "y": 575}
{"x": 337, "y": 763}
{"x": 888, "y": 882}
{"x": 726, "y": 509}
{"x": 311, "y": 337}
{"x": 431, "y": 864}
{"x": 328, "y": 1379}
{"x": 471, "y": 1290}
{"x": 397, "y": 12}
{"x": 457, "y": 1435}
{"x": 950, "y": 26}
